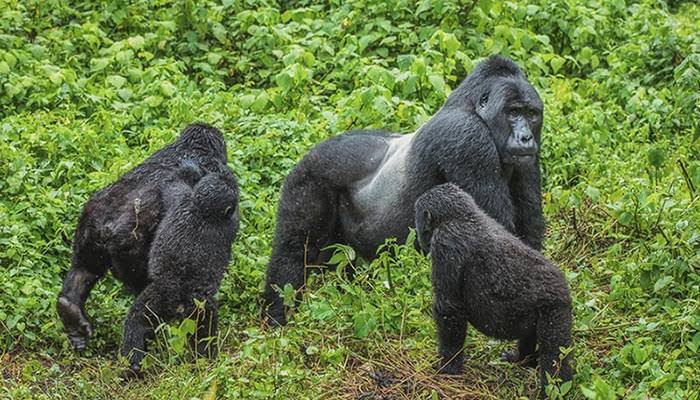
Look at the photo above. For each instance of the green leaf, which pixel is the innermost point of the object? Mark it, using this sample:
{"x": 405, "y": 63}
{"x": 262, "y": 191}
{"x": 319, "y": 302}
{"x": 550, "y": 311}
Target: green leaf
{"x": 213, "y": 58}
{"x": 115, "y": 80}
{"x": 153, "y": 101}
{"x": 125, "y": 94}
{"x": 437, "y": 82}
{"x": 639, "y": 354}
{"x": 418, "y": 67}
{"x": 167, "y": 88}
{"x": 98, "y": 64}
{"x": 56, "y": 77}
{"x": 592, "y": 193}
{"x": 10, "y": 59}
{"x": 662, "y": 283}
{"x": 451, "y": 44}
{"x": 588, "y": 393}
{"x": 260, "y": 102}
{"x": 565, "y": 387}
{"x": 364, "y": 322}
{"x": 188, "y": 326}
{"x": 284, "y": 81}
{"x": 246, "y": 100}
{"x": 625, "y": 218}
{"x": 556, "y": 63}
{"x": 288, "y": 295}
{"x": 136, "y": 42}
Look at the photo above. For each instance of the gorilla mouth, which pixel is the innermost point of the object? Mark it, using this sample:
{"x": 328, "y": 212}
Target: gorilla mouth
{"x": 524, "y": 158}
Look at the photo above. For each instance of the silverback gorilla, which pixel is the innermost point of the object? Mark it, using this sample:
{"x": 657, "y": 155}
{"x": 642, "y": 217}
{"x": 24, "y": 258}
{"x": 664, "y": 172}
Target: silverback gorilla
{"x": 485, "y": 276}
{"x": 118, "y": 223}
{"x": 359, "y": 188}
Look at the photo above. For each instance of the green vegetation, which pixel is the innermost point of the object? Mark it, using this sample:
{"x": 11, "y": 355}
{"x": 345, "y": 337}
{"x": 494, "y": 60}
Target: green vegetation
{"x": 89, "y": 89}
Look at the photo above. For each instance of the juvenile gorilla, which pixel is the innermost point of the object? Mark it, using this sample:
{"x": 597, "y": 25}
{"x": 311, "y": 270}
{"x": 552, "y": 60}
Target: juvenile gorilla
{"x": 359, "y": 188}
{"x": 485, "y": 276}
{"x": 118, "y": 223}
{"x": 188, "y": 258}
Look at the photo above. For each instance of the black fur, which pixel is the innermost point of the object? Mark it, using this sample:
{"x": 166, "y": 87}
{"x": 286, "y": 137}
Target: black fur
{"x": 118, "y": 223}
{"x": 359, "y": 188}
{"x": 188, "y": 257}
{"x": 485, "y": 276}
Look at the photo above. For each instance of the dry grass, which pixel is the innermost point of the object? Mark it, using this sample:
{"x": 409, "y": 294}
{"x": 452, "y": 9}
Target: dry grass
{"x": 400, "y": 374}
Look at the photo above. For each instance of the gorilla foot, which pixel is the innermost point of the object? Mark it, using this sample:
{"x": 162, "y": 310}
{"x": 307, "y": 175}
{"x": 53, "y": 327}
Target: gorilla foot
{"x": 132, "y": 373}
{"x": 75, "y": 322}
{"x": 275, "y": 316}
{"x": 206, "y": 347}
{"x": 451, "y": 368}
{"x": 513, "y": 356}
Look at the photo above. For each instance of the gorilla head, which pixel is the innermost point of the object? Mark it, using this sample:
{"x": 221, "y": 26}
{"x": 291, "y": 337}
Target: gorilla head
{"x": 501, "y": 95}
{"x": 214, "y": 195}
{"x": 203, "y": 138}
{"x": 441, "y": 204}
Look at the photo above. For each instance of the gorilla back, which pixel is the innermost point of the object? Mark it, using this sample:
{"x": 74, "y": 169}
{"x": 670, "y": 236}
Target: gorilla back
{"x": 359, "y": 188}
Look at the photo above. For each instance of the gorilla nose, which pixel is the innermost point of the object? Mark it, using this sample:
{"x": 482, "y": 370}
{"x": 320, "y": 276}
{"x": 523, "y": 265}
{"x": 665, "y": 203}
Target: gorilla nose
{"x": 525, "y": 138}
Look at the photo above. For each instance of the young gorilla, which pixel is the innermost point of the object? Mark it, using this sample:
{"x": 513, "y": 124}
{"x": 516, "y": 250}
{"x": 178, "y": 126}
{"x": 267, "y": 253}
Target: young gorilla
{"x": 187, "y": 261}
{"x": 484, "y": 275}
{"x": 118, "y": 223}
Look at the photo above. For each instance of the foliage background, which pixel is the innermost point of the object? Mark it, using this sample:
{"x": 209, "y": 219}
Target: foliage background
{"x": 89, "y": 89}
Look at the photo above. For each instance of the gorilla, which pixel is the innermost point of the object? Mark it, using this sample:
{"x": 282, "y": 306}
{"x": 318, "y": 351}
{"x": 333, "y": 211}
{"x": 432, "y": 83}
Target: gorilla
{"x": 485, "y": 276}
{"x": 119, "y": 222}
{"x": 359, "y": 188}
{"x": 189, "y": 255}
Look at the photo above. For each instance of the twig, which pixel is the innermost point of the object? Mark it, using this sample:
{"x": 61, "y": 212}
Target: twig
{"x": 688, "y": 181}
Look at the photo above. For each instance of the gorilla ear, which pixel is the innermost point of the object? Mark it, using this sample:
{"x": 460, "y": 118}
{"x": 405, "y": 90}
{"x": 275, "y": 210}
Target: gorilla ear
{"x": 483, "y": 99}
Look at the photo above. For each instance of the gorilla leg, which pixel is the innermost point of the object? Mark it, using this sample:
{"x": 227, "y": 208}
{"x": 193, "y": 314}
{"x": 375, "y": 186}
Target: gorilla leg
{"x": 451, "y": 332}
{"x": 89, "y": 264}
{"x": 525, "y": 353}
{"x": 155, "y": 302}
{"x": 204, "y": 341}
{"x": 553, "y": 332}
{"x": 306, "y": 222}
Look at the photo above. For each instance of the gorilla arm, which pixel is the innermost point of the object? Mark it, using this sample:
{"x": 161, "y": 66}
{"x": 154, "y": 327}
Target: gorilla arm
{"x": 527, "y": 199}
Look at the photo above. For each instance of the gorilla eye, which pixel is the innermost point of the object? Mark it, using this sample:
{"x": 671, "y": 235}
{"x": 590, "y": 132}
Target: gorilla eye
{"x": 513, "y": 112}
{"x": 483, "y": 99}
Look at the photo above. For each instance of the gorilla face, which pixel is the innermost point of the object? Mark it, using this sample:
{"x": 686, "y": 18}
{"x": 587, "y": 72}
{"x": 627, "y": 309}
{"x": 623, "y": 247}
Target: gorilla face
{"x": 513, "y": 111}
